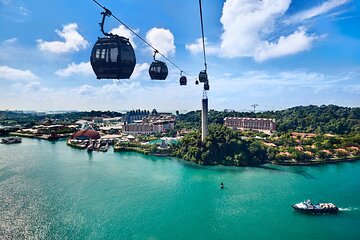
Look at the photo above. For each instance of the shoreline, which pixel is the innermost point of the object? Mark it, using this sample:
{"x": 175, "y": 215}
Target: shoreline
{"x": 312, "y": 162}
{"x": 43, "y": 137}
{"x": 316, "y": 162}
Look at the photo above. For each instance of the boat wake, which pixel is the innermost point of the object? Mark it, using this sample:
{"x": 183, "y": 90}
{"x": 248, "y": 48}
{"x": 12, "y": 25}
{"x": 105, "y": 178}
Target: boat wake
{"x": 348, "y": 209}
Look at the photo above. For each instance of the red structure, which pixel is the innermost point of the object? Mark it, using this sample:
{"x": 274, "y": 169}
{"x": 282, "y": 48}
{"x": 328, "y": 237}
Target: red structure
{"x": 86, "y": 135}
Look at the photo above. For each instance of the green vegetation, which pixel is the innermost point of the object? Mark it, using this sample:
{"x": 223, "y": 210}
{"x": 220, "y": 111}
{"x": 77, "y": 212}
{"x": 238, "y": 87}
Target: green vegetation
{"x": 151, "y": 149}
{"x": 317, "y": 119}
{"x": 9, "y": 118}
{"x": 231, "y": 147}
{"x": 320, "y": 147}
{"x": 222, "y": 146}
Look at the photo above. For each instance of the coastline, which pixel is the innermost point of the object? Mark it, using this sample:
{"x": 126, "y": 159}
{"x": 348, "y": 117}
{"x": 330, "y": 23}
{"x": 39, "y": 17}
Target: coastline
{"x": 43, "y": 137}
{"x": 141, "y": 151}
{"x": 316, "y": 161}
{"x": 292, "y": 162}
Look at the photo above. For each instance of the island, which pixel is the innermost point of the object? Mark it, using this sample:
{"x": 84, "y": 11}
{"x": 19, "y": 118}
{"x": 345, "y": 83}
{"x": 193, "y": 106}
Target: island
{"x": 303, "y": 135}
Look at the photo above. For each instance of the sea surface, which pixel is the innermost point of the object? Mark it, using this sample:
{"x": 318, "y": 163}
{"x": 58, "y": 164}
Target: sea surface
{"x": 51, "y": 191}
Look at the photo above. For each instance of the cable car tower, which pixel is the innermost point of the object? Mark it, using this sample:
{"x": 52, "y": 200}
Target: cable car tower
{"x": 203, "y": 78}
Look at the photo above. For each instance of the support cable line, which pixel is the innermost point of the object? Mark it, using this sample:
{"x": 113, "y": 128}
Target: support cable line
{"x": 109, "y": 13}
{"x": 203, "y": 77}
{"x": 202, "y": 34}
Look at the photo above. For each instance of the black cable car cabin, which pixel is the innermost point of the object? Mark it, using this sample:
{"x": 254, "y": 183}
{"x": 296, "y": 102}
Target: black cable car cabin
{"x": 183, "y": 80}
{"x": 206, "y": 86}
{"x": 113, "y": 58}
{"x": 158, "y": 70}
{"x": 203, "y": 76}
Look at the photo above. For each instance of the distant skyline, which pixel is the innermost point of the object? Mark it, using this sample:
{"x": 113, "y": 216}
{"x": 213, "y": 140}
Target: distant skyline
{"x": 277, "y": 54}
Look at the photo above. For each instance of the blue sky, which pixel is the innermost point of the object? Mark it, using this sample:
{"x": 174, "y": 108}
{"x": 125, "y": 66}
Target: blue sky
{"x": 277, "y": 54}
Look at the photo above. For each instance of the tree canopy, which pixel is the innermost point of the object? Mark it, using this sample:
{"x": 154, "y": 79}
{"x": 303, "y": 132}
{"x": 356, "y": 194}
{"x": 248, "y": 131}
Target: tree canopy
{"x": 318, "y": 119}
{"x": 222, "y": 146}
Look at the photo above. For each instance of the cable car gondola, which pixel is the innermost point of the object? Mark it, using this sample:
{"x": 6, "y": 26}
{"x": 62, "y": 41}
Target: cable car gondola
{"x": 158, "y": 69}
{"x": 112, "y": 56}
{"x": 206, "y": 86}
{"x": 203, "y": 76}
{"x": 183, "y": 80}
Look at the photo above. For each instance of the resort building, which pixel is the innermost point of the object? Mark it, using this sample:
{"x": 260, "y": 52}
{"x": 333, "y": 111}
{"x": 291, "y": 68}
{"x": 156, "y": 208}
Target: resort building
{"x": 109, "y": 125}
{"x": 150, "y": 125}
{"x": 134, "y": 115}
{"x": 83, "y": 135}
{"x": 262, "y": 124}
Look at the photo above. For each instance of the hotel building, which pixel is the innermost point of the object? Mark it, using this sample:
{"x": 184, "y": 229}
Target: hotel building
{"x": 262, "y": 124}
{"x": 151, "y": 124}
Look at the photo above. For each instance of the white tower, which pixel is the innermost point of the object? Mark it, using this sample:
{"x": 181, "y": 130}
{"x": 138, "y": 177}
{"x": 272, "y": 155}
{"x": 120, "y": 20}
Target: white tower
{"x": 204, "y": 117}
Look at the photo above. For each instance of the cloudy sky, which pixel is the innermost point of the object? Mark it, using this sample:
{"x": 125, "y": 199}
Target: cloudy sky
{"x": 275, "y": 53}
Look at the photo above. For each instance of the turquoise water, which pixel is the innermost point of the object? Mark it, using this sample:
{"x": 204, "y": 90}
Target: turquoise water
{"x": 51, "y": 191}
{"x": 158, "y": 141}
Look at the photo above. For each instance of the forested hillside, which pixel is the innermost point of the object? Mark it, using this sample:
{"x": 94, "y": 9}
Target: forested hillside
{"x": 318, "y": 119}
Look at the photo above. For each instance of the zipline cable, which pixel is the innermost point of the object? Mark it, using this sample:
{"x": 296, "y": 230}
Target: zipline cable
{"x": 155, "y": 50}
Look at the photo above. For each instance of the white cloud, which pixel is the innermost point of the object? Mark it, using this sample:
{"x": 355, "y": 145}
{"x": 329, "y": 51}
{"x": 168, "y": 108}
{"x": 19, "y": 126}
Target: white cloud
{"x": 73, "y": 41}
{"x": 162, "y": 39}
{"x": 83, "y": 68}
{"x": 24, "y": 11}
{"x": 109, "y": 92}
{"x": 197, "y": 47}
{"x": 245, "y": 22}
{"x": 285, "y": 45}
{"x": 260, "y": 83}
{"x": 266, "y": 88}
{"x": 124, "y": 32}
{"x": 247, "y": 27}
{"x": 140, "y": 70}
{"x": 29, "y": 87}
{"x": 9, "y": 73}
{"x": 281, "y": 89}
{"x": 316, "y": 11}
{"x": 10, "y": 41}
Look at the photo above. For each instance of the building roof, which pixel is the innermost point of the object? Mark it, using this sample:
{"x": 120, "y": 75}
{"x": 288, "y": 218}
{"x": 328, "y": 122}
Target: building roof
{"x": 92, "y": 134}
{"x": 247, "y": 118}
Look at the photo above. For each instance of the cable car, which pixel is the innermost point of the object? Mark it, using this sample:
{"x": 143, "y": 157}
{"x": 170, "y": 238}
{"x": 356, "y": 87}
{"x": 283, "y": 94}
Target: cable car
{"x": 206, "y": 86}
{"x": 112, "y": 56}
{"x": 203, "y": 76}
{"x": 183, "y": 80}
{"x": 158, "y": 69}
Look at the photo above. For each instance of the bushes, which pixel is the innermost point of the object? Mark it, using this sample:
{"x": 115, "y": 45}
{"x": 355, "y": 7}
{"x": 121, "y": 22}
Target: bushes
{"x": 222, "y": 146}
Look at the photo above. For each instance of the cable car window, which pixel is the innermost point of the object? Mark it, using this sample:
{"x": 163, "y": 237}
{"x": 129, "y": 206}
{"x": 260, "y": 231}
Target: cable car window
{"x": 107, "y": 55}
{"x": 103, "y": 51}
{"x": 97, "y": 55}
{"x": 113, "y": 54}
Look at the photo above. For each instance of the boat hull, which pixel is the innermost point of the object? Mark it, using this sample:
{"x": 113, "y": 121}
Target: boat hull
{"x": 316, "y": 211}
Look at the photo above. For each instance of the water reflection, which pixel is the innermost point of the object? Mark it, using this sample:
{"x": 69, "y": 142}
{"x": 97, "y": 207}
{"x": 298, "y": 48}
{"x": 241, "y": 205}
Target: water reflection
{"x": 293, "y": 169}
{"x": 90, "y": 155}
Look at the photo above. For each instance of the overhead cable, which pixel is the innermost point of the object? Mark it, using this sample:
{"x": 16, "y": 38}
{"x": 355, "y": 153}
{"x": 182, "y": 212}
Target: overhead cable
{"x": 146, "y": 42}
{"x": 202, "y": 34}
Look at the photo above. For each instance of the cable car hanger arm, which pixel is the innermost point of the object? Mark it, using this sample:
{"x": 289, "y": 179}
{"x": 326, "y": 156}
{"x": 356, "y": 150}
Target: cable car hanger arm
{"x": 105, "y": 14}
